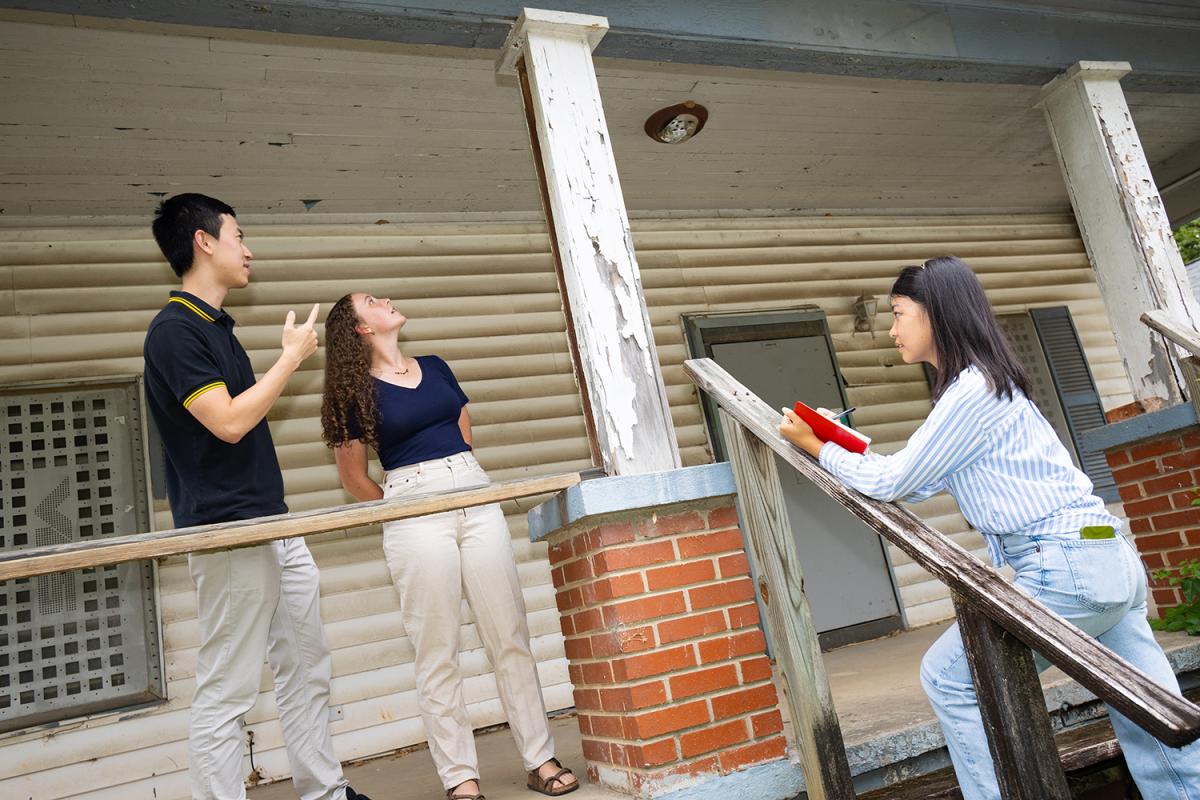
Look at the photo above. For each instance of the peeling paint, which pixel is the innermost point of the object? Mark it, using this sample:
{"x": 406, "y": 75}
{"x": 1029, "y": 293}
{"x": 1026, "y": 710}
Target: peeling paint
{"x": 600, "y": 271}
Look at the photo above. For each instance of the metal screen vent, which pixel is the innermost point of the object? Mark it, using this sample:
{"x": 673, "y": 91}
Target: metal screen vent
{"x": 72, "y": 469}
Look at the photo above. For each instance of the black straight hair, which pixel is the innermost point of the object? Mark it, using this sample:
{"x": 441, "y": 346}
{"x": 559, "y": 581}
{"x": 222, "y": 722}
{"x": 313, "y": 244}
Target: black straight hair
{"x": 177, "y": 220}
{"x": 965, "y": 330}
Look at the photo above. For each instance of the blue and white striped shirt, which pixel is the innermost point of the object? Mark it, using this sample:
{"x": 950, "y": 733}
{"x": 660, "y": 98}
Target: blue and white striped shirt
{"x": 999, "y": 458}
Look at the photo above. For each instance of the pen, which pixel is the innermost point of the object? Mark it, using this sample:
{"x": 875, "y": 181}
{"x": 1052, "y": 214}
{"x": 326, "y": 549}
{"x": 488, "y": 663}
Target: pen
{"x": 841, "y": 414}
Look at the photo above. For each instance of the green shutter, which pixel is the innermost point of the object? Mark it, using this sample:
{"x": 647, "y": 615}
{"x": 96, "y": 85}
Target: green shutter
{"x": 1076, "y": 390}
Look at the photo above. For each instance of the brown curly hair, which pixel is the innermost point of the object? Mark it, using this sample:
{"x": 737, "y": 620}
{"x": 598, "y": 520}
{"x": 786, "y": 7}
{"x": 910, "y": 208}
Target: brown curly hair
{"x": 349, "y": 391}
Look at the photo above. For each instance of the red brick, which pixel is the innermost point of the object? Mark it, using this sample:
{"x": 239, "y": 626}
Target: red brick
{"x": 633, "y": 698}
{"x": 581, "y": 543}
{"x": 1166, "y": 598}
{"x": 735, "y": 703}
{"x": 703, "y": 681}
{"x": 743, "y": 616}
{"x": 1153, "y": 560}
{"x": 679, "y": 575}
{"x": 1177, "y": 519}
{"x": 755, "y": 753}
{"x": 756, "y": 669}
{"x": 653, "y": 754}
{"x": 1157, "y": 448}
{"x": 1117, "y": 458}
{"x": 614, "y": 586}
{"x": 585, "y": 724}
{"x": 614, "y": 533}
{"x": 1167, "y": 483}
{"x": 675, "y": 717}
{"x": 1144, "y": 508}
{"x": 638, "y": 555}
{"x": 1185, "y": 460}
{"x": 1191, "y": 440}
{"x": 587, "y": 699}
{"x": 644, "y": 608}
{"x": 766, "y": 724}
{"x": 610, "y": 727}
{"x": 727, "y": 647}
{"x": 631, "y": 668}
{"x": 1177, "y": 557}
{"x": 1130, "y": 491}
{"x": 1162, "y": 541}
{"x": 575, "y": 673}
{"x": 589, "y": 620}
{"x": 568, "y": 600}
{"x": 691, "y": 627}
{"x": 721, "y": 594}
{"x": 672, "y": 524}
{"x": 1192, "y": 536}
{"x": 645, "y": 784}
{"x": 578, "y": 648}
{"x": 556, "y": 577}
{"x": 734, "y": 565}
{"x": 597, "y": 751}
{"x": 1184, "y": 499}
{"x": 724, "y": 517}
{"x": 568, "y": 627}
{"x": 713, "y": 738}
{"x": 1136, "y": 472}
{"x": 597, "y": 672}
{"x": 577, "y": 570}
{"x": 1140, "y": 526}
{"x": 625, "y": 640}
{"x": 559, "y": 552}
{"x": 709, "y": 543}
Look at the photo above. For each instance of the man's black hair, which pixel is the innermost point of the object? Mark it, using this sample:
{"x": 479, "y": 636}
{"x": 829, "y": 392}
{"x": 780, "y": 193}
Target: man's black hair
{"x": 177, "y": 220}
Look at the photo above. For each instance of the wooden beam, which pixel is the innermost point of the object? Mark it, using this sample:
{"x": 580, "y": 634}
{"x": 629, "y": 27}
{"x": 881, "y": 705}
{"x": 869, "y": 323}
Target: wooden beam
{"x": 1181, "y": 333}
{"x": 605, "y": 303}
{"x": 244, "y": 533}
{"x": 789, "y": 619}
{"x": 1166, "y": 716}
{"x": 1013, "y": 707}
{"x": 1121, "y": 217}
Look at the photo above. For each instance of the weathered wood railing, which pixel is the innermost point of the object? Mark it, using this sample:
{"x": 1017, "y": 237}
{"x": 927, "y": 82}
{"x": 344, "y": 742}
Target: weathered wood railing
{"x": 244, "y": 533}
{"x": 1186, "y": 337}
{"x": 999, "y": 623}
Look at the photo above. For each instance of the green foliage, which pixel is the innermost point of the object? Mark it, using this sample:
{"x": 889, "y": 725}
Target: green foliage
{"x": 1186, "y": 616}
{"x": 1188, "y": 239}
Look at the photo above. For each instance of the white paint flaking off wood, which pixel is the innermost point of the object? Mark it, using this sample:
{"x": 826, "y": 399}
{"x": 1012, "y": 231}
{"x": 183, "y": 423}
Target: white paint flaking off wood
{"x": 1121, "y": 218}
{"x": 600, "y": 271}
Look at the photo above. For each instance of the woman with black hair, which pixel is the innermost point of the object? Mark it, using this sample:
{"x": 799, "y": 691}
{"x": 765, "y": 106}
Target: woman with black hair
{"x": 988, "y": 445}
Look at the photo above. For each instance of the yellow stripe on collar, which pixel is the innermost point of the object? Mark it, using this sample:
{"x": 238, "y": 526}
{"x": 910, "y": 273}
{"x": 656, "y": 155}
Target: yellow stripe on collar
{"x": 206, "y": 388}
{"x": 192, "y": 306}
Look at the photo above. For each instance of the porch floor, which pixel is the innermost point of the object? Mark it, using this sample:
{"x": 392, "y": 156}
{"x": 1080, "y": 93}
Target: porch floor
{"x": 889, "y": 729}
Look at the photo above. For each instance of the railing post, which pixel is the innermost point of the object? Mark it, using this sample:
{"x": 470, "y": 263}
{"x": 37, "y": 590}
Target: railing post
{"x": 789, "y": 620}
{"x": 1014, "y": 709}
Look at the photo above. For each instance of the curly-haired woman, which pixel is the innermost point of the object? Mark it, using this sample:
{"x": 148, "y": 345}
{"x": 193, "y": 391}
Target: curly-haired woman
{"x": 413, "y": 412}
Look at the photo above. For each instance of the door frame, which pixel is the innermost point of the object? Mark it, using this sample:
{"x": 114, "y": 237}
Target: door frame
{"x": 702, "y": 330}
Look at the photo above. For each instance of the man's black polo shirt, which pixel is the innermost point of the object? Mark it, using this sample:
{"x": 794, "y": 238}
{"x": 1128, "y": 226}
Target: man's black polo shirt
{"x": 190, "y": 349}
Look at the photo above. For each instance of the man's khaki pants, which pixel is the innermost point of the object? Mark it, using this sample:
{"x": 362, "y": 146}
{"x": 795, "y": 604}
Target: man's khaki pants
{"x": 434, "y": 561}
{"x": 257, "y": 601}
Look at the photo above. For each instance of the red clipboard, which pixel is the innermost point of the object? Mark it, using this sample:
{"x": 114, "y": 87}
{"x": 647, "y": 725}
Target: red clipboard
{"x": 828, "y": 430}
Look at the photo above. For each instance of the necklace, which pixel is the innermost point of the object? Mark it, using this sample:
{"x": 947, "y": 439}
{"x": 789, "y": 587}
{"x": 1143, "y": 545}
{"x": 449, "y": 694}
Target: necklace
{"x": 395, "y": 371}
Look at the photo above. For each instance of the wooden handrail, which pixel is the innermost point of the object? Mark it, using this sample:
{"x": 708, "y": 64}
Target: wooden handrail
{"x": 244, "y": 533}
{"x": 1178, "y": 332}
{"x": 1114, "y": 680}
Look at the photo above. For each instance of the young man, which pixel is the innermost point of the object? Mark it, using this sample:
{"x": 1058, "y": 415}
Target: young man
{"x": 221, "y": 466}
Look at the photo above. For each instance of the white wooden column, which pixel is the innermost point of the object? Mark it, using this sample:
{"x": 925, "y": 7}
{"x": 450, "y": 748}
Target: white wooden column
{"x": 1121, "y": 218}
{"x": 616, "y": 362}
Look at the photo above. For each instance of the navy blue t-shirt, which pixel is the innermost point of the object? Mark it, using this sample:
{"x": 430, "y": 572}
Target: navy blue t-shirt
{"x": 190, "y": 349}
{"x": 418, "y": 424}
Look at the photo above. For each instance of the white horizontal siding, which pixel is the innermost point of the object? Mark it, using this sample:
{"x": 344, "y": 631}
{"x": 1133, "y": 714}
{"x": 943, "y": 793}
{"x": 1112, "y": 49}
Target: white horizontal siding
{"x": 76, "y": 300}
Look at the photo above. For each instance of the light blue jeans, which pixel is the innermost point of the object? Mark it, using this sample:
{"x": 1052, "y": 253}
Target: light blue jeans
{"x": 1100, "y": 587}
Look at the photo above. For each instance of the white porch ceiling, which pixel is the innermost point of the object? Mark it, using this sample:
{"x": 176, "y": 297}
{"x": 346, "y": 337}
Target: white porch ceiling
{"x": 102, "y": 117}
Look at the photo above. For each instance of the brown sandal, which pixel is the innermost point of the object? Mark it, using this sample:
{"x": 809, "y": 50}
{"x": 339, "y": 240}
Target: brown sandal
{"x": 545, "y": 786}
{"x": 450, "y": 793}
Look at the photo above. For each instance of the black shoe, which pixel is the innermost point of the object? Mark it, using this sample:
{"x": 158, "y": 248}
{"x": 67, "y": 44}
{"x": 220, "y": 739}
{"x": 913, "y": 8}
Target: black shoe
{"x": 353, "y": 795}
